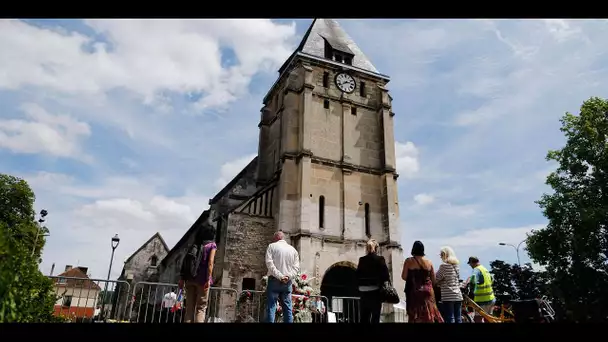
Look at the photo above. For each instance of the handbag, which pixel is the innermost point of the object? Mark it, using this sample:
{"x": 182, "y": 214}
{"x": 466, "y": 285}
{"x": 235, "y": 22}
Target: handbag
{"x": 388, "y": 294}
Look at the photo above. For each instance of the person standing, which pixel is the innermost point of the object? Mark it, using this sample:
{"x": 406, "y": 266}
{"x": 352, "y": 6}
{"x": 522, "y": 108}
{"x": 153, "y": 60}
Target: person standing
{"x": 481, "y": 288}
{"x": 372, "y": 272}
{"x": 419, "y": 277}
{"x": 196, "y": 273}
{"x": 448, "y": 281}
{"x": 283, "y": 263}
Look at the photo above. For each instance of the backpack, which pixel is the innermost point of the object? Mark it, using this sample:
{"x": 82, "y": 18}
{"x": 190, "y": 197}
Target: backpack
{"x": 191, "y": 262}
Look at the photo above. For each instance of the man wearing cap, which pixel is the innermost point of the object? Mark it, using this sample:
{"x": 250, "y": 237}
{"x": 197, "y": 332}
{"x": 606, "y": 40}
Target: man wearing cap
{"x": 481, "y": 287}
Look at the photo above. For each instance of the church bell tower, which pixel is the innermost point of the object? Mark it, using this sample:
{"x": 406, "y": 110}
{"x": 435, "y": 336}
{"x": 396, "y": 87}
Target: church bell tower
{"x": 327, "y": 141}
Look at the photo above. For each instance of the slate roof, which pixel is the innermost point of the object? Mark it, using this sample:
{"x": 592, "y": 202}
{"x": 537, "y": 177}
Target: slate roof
{"x": 75, "y": 272}
{"x": 329, "y": 30}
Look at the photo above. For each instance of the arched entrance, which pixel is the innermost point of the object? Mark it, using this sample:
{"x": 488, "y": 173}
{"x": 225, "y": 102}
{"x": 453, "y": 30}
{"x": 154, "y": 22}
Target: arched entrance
{"x": 340, "y": 280}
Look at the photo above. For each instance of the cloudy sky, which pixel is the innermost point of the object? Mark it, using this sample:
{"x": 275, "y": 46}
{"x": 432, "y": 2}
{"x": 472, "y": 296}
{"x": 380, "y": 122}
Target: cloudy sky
{"x": 129, "y": 126}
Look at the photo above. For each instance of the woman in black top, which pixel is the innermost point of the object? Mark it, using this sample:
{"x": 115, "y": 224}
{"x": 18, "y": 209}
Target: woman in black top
{"x": 372, "y": 272}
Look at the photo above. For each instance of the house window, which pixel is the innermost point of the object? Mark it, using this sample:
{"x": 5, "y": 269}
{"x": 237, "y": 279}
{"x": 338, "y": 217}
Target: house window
{"x": 326, "y": 104}
{"x": 248, "y": 284}
{"x": 153, "y": 261}
{"x": 326, "y": 80}
{"x": 367, "y": 229}
{"x": 67, "y": 301}
{"x": 348, "y": 60}
{"x": 322, "y": 212}
{"x": 62, "y": 281}
{"x": 362, "y": 89}
{"x": 353, "y": 110}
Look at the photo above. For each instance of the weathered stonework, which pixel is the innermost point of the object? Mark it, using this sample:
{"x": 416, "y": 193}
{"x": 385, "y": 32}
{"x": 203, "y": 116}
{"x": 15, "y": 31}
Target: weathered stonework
{"x": 141, "y": 266}
{"x": 247, "y": 239}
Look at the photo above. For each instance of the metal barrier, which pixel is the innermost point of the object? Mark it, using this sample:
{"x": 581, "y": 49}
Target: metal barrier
{"x": 89, "y": 300}
{"x": 318, "y": 305}
{"x": 251, "y": 307}
{"x": 309, "y": 309}
{"x": 154, "y": 303}
{"x": 346, "y": 309}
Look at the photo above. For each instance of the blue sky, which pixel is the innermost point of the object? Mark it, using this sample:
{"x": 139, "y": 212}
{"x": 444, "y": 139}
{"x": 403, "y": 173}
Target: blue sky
{"x": 129, "y": 126}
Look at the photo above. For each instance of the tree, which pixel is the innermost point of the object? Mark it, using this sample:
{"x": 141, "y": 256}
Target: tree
{"x": 503, "y": 278}
{"x": 518, "y": 282}
{"x": 26, "y": 295}
{"x": 574, "y": 245}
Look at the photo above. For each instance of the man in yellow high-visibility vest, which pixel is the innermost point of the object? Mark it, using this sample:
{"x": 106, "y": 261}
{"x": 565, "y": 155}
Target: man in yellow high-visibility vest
{"x": 481, "y": 287}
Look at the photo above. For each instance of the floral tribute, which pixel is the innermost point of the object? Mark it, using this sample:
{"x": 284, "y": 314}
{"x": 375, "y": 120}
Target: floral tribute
{"x": 305, "y": 299}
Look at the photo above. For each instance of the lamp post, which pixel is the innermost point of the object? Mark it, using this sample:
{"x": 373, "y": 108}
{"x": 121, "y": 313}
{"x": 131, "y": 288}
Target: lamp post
{"x": 39, "y": 227}
{"x": 115, "y": 242}
{"x": 516, "y": 250}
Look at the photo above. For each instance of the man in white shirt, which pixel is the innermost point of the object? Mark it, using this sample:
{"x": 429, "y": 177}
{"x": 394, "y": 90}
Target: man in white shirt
{"x": 283, "y": 263}
{"x": 169, "y": 300}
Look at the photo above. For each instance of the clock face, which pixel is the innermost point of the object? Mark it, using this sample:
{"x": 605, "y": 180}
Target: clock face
{"x": 345, "y": 82}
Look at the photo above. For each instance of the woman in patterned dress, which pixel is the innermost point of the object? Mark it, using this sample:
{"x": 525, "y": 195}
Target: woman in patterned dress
{"x": 419, "y": 276}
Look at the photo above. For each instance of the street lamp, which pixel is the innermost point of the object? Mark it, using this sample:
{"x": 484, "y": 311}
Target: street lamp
{"x": 115, "y": 242}
{"x": 39, "y": 227}
{"x": 516, "y": 249}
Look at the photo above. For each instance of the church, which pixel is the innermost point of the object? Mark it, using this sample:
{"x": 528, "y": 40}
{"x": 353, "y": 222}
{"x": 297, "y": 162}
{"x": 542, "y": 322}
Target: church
{"x": 324, "y": 174}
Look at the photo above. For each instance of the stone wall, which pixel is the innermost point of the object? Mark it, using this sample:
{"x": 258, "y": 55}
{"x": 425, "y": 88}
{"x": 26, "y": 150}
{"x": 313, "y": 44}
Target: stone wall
{"x": 247, "y": 238}
{"x": 138, "y": 268}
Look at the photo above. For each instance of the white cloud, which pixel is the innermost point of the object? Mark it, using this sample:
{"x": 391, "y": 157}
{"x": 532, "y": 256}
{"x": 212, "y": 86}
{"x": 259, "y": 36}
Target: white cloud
{"x": 485, "y": 238}
{"x": 57, "y": 135}
{"x": 230, "y": 169}
{"x": 406, "y": 159}
{"x": 86, "y": 217}
{"x": 147, "y": 57}
{"x": 424, "y": 199}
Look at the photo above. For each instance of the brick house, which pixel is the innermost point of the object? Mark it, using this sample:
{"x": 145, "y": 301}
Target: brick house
{"x": 77, "y": 297}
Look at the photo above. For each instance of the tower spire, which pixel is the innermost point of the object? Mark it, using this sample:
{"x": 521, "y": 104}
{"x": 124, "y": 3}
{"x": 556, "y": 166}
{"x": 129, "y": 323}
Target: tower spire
{"x": 324, "y": 33}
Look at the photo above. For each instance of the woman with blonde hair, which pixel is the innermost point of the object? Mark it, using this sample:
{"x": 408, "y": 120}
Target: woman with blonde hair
{"x": 372, "y": 272}
{"x": 448, "y": 280}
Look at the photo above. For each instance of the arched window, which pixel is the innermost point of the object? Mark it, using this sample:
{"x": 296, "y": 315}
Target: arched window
{"x": 153, "y": 261}
{"x": 322, "y": 212}
{"x": 367, "y": 229}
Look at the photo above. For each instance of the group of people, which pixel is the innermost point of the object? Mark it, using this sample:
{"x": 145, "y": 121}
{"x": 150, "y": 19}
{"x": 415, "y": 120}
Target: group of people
{"x": 421, "y": 280}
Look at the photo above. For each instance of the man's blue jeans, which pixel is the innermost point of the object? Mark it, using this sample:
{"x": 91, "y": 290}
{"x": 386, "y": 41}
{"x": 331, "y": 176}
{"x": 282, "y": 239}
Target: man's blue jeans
{"x": 278, "y": 290}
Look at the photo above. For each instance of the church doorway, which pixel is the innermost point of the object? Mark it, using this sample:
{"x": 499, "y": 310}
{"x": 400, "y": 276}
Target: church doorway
{"x": 339, "y": 285}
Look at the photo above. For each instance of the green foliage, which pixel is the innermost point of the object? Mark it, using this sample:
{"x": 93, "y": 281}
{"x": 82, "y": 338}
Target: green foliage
{"x": 518, "y": 282}
{"x": 574, "y": 245}
{"x": 26, "y": 295}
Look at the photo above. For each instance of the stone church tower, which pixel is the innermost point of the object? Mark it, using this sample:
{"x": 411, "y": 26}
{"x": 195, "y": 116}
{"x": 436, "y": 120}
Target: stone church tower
{"x": 326, "y": 135}
{"x": 325, "y": 171}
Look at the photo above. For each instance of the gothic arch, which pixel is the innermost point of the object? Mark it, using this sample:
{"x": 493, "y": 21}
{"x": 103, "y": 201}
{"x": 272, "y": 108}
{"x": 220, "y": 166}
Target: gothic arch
{"x": 340, "y": 280}
{"x": 344, "y": 263}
